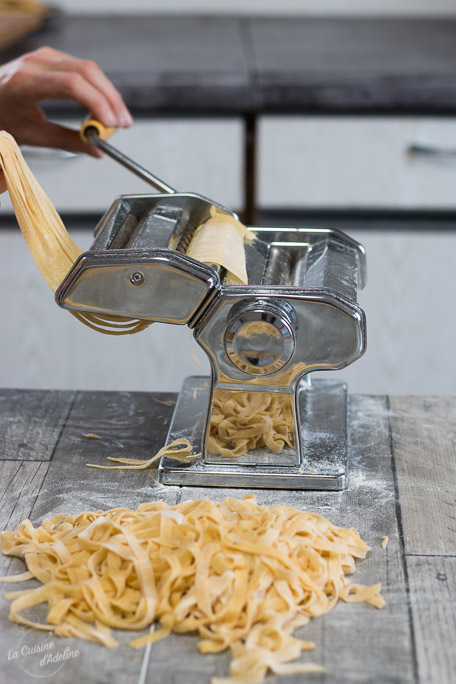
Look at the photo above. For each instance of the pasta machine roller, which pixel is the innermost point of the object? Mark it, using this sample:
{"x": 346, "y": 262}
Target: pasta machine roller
{"x": 298, "y": 314}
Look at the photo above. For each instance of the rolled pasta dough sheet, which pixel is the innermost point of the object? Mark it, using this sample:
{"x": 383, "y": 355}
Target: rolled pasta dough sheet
{"x": 220, "y": 241}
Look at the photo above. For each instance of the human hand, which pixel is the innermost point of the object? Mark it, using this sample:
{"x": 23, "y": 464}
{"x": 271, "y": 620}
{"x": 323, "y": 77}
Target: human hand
{"x": 45, "y": 73}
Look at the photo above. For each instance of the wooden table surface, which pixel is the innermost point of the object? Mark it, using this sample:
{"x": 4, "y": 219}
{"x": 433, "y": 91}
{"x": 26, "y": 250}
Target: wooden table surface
{"x": 402, "y": 484}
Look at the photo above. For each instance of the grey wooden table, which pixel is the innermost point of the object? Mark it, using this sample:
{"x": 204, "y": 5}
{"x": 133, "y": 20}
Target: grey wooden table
{"x": 402, "y": 484}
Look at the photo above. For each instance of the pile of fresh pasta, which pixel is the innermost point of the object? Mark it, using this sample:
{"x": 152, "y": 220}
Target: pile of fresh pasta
{"x": 242, "y": 421}
{"x": 240, "y": 575}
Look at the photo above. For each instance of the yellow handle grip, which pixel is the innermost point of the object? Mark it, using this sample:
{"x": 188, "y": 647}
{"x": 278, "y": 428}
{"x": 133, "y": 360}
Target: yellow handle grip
{"x": 104, "y": 132}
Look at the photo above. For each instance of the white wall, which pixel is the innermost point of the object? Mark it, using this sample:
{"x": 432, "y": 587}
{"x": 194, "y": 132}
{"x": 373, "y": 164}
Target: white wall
{"x": 266, "y": 7}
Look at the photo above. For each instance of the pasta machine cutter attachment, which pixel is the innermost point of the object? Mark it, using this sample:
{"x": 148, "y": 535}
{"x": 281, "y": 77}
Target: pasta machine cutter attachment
{"x": 298, "y": 314}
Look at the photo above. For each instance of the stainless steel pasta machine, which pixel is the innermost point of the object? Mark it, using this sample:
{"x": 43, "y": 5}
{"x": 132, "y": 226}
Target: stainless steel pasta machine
{"x": 298, "y": 314}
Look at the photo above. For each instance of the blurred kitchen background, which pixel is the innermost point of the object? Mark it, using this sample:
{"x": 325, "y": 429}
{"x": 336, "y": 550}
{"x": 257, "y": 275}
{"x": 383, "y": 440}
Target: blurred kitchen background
{"x": 337, "y": 113}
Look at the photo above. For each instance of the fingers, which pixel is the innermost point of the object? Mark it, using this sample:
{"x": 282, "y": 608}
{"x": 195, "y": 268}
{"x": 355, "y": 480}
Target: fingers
{"x": 53, "y": 135}
{"x": 68, "y": 85}
{"x": 48, "y": 73}
{"x": 61, "y": 76}
{"x": 91, "y": 73}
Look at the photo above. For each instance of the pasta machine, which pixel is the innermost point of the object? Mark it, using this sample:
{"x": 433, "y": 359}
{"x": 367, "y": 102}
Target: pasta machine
{"x": 297, "y": 315}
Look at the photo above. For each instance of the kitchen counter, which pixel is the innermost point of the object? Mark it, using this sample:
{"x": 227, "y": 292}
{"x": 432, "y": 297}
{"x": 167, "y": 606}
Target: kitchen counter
{"x": 401, "y": 484}
{"x": 261, "y": 65}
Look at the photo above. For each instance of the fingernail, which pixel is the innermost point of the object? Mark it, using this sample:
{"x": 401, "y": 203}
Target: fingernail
{"x": 126, "y": 119}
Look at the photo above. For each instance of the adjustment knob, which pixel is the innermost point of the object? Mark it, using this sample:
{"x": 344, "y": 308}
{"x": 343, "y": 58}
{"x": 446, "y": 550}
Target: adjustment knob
{"x": 260, "y": 335}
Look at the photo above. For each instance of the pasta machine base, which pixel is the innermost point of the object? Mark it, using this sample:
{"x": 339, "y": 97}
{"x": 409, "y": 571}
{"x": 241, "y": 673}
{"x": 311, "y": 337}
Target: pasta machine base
{"x": 323, "y": 454}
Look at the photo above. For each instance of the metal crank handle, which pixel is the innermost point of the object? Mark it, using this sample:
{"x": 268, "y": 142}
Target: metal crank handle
{"x": 95, "y": 133}
{"x": 91, "y": 133}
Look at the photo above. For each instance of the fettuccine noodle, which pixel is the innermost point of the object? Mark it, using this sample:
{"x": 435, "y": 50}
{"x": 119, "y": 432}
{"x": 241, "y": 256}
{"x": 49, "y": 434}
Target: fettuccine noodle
{"x": 242, "y": 576}
{"x": 48, "y": 240}
{"x": 242, "y": 421}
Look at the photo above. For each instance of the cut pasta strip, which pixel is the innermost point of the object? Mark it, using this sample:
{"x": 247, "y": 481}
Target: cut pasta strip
{"x": 21, "y": 577}
{"x": 49, "y": 242}
{"x": 242, "y": 576}
{"x": 173, "y": 449}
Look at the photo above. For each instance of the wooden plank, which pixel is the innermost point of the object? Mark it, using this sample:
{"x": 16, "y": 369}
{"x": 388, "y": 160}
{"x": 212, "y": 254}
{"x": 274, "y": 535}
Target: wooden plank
{"x": 20, "y": 483}
{"x": 24, "y": 648}
{"x": 31, "y": 423}
{"x": 433, "y": 600}
{"x": 354, "y": 643}
{"x": 424, "y": 437}
{"x": 129, "y": 424}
